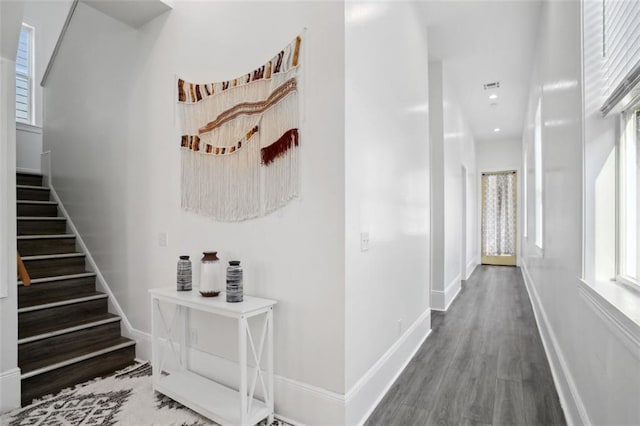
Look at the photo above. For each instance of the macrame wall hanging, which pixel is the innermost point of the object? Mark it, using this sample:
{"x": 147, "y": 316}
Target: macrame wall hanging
{"x": 240, "y": 140}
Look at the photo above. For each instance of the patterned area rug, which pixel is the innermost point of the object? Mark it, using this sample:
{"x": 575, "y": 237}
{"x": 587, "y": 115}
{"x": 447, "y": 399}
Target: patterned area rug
{"x": 125, "y": 398}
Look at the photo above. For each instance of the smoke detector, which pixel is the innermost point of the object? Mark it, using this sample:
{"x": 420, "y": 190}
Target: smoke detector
{"x": 491, "y": 86}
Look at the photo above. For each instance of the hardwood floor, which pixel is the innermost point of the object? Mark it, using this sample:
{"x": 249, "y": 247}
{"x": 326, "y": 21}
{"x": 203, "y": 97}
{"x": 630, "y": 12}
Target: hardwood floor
{"x": 484, "y": 363}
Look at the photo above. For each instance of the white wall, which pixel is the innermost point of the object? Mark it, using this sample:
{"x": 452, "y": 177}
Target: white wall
{"x": 116, "y": 164}
{"x": 494, "y": 156}
{"x": 452, "y": 147}
{"x": 47, "y": 18}
{"x": 597, "y": 374}
{"x": 10, "y": 18}
{"x": 28, "y": 148}
{"x": 600, "y": 151}
{"x": 387, "y": 192}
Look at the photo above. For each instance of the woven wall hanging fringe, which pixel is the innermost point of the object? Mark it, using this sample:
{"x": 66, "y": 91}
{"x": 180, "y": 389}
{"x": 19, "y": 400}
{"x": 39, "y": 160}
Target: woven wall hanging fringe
{"x": 240, "y": 140}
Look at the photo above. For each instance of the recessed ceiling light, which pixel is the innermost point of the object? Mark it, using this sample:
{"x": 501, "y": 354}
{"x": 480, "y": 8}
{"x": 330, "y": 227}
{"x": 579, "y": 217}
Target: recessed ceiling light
{"x": 493, "y": 96}
{"x": 497, "y": 129}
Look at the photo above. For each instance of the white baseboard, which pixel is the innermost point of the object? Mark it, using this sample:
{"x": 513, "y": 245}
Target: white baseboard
{"x": 9, "y": 390}
{"x": 362, "y": 399}
{"x": 441, "y": 300}
{"x": 101, "y": 283}
{"x": 300, "y": 403}
{"x": 28, "y": 171}
{"x": 574, "y": 409}
{"x": 296, "y": 402}
{"x": 471, "y": 266}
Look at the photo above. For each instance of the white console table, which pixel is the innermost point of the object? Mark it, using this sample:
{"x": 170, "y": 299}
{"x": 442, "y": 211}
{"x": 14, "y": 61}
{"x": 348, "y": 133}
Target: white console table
{"x": 211, "y": 399}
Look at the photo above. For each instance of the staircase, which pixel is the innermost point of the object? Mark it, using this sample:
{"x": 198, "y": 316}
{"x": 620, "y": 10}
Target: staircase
{"x": 65, "y": 333}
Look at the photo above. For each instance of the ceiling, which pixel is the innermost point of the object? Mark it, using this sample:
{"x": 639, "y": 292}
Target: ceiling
{"x": 133, "y": 13}
{"x": 481, "y": 42}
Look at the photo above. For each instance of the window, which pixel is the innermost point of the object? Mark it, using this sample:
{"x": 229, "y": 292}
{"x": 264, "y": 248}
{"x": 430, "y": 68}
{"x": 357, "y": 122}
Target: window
{"x": 629, "y": 199}
{"x": 24, "y": 76}
{"x": 537, "y": 147}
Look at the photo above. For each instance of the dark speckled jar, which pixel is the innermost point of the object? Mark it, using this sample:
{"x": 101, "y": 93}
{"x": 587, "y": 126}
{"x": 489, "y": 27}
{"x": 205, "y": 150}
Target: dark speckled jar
{"x": 184, "y": 274}
{"x": 234, "y": 282}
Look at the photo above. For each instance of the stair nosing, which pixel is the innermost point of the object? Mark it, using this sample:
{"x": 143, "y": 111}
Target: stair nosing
{"x": 59, "y": 278}
{"x": 52, "y": 256}
{"x": 43, "y": 218}
{"x": 45, "y": 236}
{"x": 36, "y": 202}
{"x": 77, "y": 359}
{"x": 68, "y": 330}
{"x": 41, "y": 188}
{"x": 62, "y": 303}
{"x": 18, "y": 173}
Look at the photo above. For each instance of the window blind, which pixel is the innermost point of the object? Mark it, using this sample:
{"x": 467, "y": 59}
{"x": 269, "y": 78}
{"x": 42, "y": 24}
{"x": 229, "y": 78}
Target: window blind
{"x": 621, "y": 49}
{"x": 23, "y": 76}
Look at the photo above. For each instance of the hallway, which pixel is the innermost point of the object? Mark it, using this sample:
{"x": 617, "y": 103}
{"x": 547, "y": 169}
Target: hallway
{"x": 484, "y": 362}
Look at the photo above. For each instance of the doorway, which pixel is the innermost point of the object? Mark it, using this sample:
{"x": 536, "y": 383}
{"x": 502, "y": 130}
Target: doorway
{"x": 499, "y": 218}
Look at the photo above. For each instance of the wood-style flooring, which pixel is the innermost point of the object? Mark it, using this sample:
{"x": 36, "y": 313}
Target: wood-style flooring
{"x": 483, "y": 364}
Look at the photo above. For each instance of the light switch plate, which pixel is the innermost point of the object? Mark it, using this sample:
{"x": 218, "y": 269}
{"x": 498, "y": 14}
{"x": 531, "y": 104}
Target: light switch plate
{"x": 163, "y": 239}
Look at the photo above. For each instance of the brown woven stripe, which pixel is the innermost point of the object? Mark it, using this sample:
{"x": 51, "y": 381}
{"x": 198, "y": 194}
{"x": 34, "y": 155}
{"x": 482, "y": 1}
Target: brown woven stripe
{"x": 182, "y": 96}
{"x": 277, "y": 149}
{"x": 250, "y": 108}
{"x": 296, "y": 52}
{"x": 279, "y": 62}
{"x": 193, "y": 96}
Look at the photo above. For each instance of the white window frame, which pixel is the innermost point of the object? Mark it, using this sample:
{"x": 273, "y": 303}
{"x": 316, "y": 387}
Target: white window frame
{"x": 629, "y": 134}
{"x": 539, "y": 190}
{"x": 29, "y": 76}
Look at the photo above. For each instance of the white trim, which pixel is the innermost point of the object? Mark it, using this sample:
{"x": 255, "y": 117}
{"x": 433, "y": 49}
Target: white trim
{"x": 365, "y": 395}
{"x": 30, "y": 128}
{"x": 45, "y": 236}
{"x": 77, "y": 359}
{"x": 62, "y": 303}
{"x": 9, "y": 390}
{"x": 41, "y": 218}
{"x": 37, "y": 203}
{"x": 27, "y": 171}
{"x": 296, "y": 402}
{"x": 471, "y": 267}
{"x": 301, "y": 403}
{"x": 442, "y": 300}
{"x": 627, "y": 330}
{"x": 573, "y": 407}
{"x": 68, "y": 330}
{"x": 33, "y": 187}
{"x": 101, "y": 282}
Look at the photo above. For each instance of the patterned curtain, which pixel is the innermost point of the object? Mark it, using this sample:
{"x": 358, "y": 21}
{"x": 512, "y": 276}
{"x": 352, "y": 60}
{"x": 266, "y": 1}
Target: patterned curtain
{"x": 499, "y": 216}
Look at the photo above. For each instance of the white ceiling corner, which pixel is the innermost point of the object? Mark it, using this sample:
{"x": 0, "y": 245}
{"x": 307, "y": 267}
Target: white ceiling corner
{"x": 134, "y": 13}
{"x": 480, "y": 42}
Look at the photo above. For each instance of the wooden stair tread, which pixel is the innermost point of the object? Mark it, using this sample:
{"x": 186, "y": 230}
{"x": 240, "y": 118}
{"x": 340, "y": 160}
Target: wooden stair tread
{"x": 55, "y": 327}
{"x": 60, "y": 359}
{"x": 44, "y": 302}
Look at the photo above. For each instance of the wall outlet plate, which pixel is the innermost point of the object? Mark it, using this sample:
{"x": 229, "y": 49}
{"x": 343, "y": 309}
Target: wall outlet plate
{"x": 364, "y": 241}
